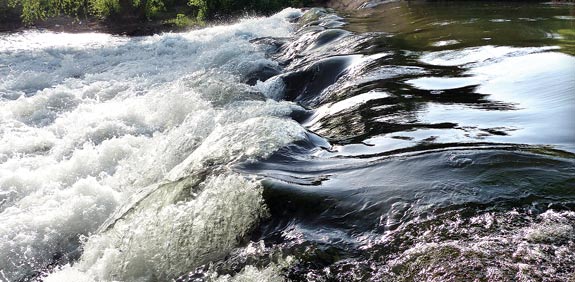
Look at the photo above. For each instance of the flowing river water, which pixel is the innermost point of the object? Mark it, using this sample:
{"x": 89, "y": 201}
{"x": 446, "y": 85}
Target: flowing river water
{"x": 411, "y": 141}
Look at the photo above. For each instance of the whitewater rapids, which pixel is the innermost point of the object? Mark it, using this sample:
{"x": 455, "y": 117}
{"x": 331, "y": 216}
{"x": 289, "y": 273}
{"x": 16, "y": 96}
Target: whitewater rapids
{"x": 94, "y": 123}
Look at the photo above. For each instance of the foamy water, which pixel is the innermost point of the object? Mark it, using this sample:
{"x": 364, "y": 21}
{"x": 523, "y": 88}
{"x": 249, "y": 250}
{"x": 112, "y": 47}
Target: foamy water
{"x": 91, "y": 124}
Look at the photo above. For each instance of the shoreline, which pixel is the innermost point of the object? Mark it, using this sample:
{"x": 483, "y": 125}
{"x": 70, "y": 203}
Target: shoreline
{"x": 130, "y": 26}
{"x": 11, "y": 22}
{"x": 73, "y": 25}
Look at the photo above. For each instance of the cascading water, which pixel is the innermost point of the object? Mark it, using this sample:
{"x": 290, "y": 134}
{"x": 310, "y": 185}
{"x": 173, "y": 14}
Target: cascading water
{"x": 147, "y": 126}
{"x": 404, "y": 142}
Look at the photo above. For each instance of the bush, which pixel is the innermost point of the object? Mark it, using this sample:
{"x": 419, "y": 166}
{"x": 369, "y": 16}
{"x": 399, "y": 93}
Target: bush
{"x": 34, "y": 10}
{"x": 104, "y": 8}
{"x": 182, "y": 21}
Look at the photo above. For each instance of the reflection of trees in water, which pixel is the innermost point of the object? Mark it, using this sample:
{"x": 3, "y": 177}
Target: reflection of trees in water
{"x": 398, "y": 112}
{"x": 418, "y": 25}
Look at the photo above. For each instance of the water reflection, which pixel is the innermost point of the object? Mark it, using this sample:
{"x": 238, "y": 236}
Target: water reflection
{"x": 417, "y": 25}
{"x": 451, "y": 129}
{"x": 485, "y": 93}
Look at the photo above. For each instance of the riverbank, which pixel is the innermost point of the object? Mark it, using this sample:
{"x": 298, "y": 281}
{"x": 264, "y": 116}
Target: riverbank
{"x": 10, "y": 21}
{"x": 73, "y": 25}
{"x": 131, "y": 26}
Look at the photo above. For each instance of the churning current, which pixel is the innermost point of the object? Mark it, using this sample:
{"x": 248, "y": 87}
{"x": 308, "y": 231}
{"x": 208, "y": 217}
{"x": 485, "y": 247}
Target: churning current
{"x": 410, "y": 141}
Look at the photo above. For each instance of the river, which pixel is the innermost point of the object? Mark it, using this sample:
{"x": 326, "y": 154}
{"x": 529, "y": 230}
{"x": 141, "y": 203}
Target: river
{"x": 409, "y": 141}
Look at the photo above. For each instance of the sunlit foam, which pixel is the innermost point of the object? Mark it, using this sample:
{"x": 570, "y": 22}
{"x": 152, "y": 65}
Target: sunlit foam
{"x": 87, "y": 120}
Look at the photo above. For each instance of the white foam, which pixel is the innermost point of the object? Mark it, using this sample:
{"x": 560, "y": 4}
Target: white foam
{"x": 46, "y": 222}
{"x": 256, "y": 137}
{"x": 88, "y": 120}
{"x": 159, "y": 241}
{"x": 251, "y": 273}
{"x": 506, "y": 246}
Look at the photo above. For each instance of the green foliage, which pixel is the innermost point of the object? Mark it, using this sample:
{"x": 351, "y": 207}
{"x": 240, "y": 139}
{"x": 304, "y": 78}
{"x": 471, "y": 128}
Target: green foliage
{"x": 182, "y": 21}
{"x": 34, "y": 10}
{"x": 202, "y": 6}
{"x": 31, "y": 11}
{"x": 104, "y": 8}
{"x": 153, "y": 8}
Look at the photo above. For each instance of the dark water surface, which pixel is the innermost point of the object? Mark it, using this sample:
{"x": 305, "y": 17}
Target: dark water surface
{"x": 448, "y": 150}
